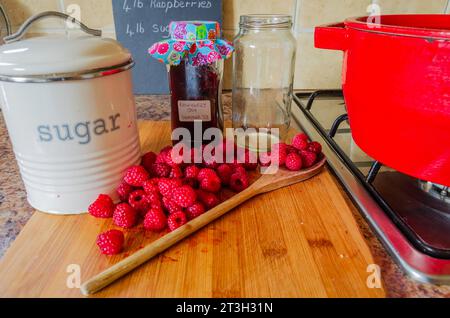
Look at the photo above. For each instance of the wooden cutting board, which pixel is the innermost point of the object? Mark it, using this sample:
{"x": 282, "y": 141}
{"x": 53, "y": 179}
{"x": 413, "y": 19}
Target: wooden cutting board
{"x": 300, "y": 241}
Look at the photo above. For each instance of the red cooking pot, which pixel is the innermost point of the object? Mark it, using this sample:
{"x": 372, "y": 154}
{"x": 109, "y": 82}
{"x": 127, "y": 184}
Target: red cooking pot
{"x": 396, "y": 82}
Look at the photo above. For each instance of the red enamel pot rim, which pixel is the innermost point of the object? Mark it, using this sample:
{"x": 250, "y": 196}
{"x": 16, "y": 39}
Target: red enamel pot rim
{"x": 429, "y": 26}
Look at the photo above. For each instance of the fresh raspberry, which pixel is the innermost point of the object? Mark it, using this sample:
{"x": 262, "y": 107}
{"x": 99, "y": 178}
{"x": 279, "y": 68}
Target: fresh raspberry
{"x": 249, "y": 160}
{"x": 111, "y": 242}
{"x": 161, "y": 170}
{"x": 103, "y": 207}
{"x": 309, "y": 158}
{"x": 265, "y": 159}
{"x": 211, "y": 183}
{"x": 136, "y": 176}
{"x": 125, "y": 216}
{"x": 279, "y": 154}
{"x": 239, "y": 182}
{"x": 169, "y": 156}
{"x": 139, "y": 201}
{"x": 176, "y": 172}
{"x": 162, "y": 156}
{"x": 151, "y": 186}
{"x": 291, "y": 149}
{"x": 206, "y": 172}
{"x": 300, "y": 144}
{"x": 238, "y": 168}
{"x": 124, "y": 190}
{"x": 176, "y": 220}
{"x": 294, "y": 162}
{"x": 184, "y": 196}
{"x": 191, "y": 172}
{"x": 153, "y": 198}
{"x": 155, "y": 220}
{"x": 299, "y": 139}
{"x": 148, "y": 160}
{"x": 224, "y": 171}
{"x": 170, "y": 206}
{"x": 195, "y": 211}
{"x": 166, "y": 186}
{"x": 315, "y": 147}
{"x": 210, "y": 200}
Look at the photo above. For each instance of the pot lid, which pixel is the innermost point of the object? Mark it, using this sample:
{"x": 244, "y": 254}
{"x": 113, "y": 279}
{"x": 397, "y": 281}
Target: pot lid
{"x": 41, "y": 56}
{"x": 60, "y": 57}
{"x": 428, "y": 26}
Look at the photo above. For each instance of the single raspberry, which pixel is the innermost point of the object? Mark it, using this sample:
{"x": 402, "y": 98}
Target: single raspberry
{"x": 155, "y": 220}
{"x": 125, "y": 216}
{"x": 148, "y": 160}
{"x": 136, "y": 176}
{"x": 161, "y": 170}
{"x": 210, "y": 200}
{"x": 166, "y": 186}
{"x": 195, "y": 211}
{"x": 300, "y": 144}
{"x": 294, "y": 162}
{"x": 239, "y": 182}
{"x": 176, "y": 220}
{"x": 139, "y": 201}
{"x": 193, "y": 183}
{"x": 103, "y": 207}
{"x": 291, "y": 149}
{"x": 211, "y": 183}
{"x": 249, "y": 160}
{"x": 239, "y": 169}
{"x": 191, "y": 172}
{"x": 151, "y": 186}
{"x": 111, "y": 242}
{"x": 315, "y": 147}
{"x": 224, "y": 171}
{"x": 161, "y": 157}
{"x": 279, "y": 154}
{"x": 176, "y": 172}
{"x": 184, "y": 196}
{"x": 124, "y": 190}
{"x": 265, "y": 159}
{"x": 299, "y": 139}
{"x": 206, "y": 172}
{"x": 170, "y": 206}
{"x": 309, "y": 158}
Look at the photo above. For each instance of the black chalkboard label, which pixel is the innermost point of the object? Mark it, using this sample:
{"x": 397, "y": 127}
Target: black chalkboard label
{"x": 140, "y": 23}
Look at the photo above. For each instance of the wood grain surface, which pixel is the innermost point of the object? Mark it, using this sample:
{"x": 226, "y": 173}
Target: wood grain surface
{"x": 300, "y": 241}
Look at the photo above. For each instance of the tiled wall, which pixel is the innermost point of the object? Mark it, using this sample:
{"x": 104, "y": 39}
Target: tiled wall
{"x": 314, "y": 68}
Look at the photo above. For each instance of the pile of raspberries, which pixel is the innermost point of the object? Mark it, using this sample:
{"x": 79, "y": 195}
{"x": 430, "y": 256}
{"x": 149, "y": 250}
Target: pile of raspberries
{"x": 162, "y": 194}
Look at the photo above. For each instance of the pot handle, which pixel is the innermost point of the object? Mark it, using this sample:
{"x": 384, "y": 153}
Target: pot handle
{"x": 331, "y": 37}
{"x": 48, "y": 14}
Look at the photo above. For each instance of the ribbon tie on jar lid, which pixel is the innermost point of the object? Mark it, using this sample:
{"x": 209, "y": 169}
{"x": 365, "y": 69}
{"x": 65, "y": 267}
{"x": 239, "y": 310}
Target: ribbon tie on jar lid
{"x": 197, "y": 41}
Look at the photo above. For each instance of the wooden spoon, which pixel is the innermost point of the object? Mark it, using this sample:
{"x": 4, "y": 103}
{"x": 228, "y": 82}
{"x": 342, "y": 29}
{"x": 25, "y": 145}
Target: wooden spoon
{"x": 266, "y": 183}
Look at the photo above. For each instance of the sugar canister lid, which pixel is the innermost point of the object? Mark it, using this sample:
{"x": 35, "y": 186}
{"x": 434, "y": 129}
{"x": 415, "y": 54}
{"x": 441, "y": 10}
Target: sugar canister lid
{"x": 59, "y": 57}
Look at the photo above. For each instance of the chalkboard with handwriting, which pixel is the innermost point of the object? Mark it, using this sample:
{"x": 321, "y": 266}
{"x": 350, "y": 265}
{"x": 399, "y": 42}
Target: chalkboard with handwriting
{"x": 140, "y": 23}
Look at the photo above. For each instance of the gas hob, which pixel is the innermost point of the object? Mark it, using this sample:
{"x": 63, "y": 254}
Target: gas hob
{"x": 411, "y": 217}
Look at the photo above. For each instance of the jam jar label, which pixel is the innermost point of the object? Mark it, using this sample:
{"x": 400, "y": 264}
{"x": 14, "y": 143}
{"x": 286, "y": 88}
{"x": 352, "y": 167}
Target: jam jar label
{"x": 192, "y": 110}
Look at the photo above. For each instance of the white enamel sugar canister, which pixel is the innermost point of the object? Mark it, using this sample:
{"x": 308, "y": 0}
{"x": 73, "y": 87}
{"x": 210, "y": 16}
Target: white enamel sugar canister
{"x": 69, "y": 107}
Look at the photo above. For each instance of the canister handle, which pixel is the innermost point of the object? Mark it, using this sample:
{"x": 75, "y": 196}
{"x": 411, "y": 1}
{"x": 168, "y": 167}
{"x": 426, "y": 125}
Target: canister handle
{"x": 27, "y": 24}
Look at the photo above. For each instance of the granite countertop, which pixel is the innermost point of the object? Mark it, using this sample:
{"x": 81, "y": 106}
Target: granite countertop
{"x": 15, "y": 211}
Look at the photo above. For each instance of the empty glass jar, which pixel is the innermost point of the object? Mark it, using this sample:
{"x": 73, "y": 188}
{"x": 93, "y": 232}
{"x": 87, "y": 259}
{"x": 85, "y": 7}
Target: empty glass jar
{"x": 264, "y": 63}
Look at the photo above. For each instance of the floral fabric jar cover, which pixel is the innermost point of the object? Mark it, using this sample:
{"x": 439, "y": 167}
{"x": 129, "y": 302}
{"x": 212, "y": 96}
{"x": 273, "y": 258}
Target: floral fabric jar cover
{"x": 198, "y": 41}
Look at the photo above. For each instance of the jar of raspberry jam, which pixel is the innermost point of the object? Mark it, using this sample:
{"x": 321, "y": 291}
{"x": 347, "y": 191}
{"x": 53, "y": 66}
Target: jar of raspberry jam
{"x": 194, "y": 54}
